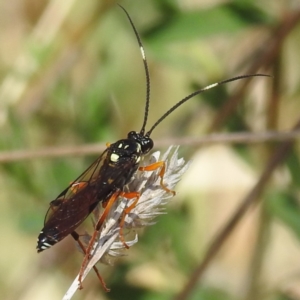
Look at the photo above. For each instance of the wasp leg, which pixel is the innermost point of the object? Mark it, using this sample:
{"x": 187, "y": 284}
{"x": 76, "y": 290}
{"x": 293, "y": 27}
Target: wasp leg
{"x": 76, "y": 236}
{"x": 108, "y": 204}
{"x": 155, "y": 166}
{"x": 98, "y": 226}
{"x": 126, "y": 211}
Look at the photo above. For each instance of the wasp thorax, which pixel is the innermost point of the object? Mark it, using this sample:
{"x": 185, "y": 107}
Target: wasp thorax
{"x": 124, "y": 150}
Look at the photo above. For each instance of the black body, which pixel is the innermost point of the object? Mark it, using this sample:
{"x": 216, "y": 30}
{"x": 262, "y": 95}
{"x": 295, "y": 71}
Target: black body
{"x": 107, "y": 175}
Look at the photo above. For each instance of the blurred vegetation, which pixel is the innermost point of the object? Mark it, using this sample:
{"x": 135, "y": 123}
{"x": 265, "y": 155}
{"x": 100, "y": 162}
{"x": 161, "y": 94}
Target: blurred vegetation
{"x": 72, "y": 74}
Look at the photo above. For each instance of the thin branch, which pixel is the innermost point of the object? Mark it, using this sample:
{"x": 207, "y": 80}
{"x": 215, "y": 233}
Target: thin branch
{"x": 253, "y": 289}
{"x": 16, "y": 82}
{"x": 92, "y": 149}
{"x": 270, "y": 49}
{"x": 252, "y": 198}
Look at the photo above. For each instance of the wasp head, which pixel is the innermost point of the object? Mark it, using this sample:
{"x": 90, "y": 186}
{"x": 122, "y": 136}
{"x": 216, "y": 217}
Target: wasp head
{"x": 145, "y": 141}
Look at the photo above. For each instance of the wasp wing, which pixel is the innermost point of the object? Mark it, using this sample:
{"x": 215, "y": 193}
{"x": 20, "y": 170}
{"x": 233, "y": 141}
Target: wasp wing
{"x": 107, "y": 175}
{"x": 75, "y": 203}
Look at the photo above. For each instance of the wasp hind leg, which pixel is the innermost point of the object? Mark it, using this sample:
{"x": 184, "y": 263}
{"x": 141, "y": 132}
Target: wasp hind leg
{"x": 88, "y": 250}
{"x": 76, "y": 237}
{"x": 108, "y": 205}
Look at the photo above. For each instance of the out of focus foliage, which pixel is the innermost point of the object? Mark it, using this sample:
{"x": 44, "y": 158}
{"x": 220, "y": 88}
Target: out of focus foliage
{"x": 71, "y": 74}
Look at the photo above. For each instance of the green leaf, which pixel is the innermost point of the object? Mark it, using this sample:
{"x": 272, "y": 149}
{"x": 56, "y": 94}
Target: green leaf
{"x": 285, "y": 206}
{"x": 294, "y": 167}
{"x": 196, "y": 25}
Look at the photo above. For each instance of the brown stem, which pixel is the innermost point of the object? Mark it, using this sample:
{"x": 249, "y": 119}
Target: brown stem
{"x": 96, "y": 149}
{"x": 267, "y": 56}
{"x": 250, "y": 199}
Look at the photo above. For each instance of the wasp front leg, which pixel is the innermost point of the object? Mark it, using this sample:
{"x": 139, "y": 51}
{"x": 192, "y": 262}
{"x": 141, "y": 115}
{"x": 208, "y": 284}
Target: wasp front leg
{"x": 155, "y": 166}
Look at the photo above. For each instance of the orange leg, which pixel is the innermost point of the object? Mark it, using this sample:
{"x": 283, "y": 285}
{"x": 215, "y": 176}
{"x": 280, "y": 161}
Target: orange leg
{"x": 155, "y": 166}
{"x": 126, "y": 211}
{"x": 108, "y": 204}
{"x": 98, "y": 225}
{"x": 75, "y": 236}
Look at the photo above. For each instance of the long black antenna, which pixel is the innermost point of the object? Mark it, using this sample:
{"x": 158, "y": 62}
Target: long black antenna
{"x": 199, "y": 92}
{"x": 181, "y": 101}
{"x": 146, "y": 71}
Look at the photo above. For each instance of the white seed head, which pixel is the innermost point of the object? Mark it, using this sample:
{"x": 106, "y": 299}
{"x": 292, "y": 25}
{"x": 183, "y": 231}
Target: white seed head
{"x": 150, "y": 205}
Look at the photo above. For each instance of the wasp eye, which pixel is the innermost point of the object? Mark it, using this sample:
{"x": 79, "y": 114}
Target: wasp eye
{"x": 147, "y": 145}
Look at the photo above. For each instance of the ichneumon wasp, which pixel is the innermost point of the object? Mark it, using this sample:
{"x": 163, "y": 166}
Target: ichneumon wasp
{"x": 104, "y": 181}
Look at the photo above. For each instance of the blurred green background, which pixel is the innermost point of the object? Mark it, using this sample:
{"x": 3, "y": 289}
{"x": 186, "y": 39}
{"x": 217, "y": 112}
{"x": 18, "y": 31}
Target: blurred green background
{"x": 72, "y": 74}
